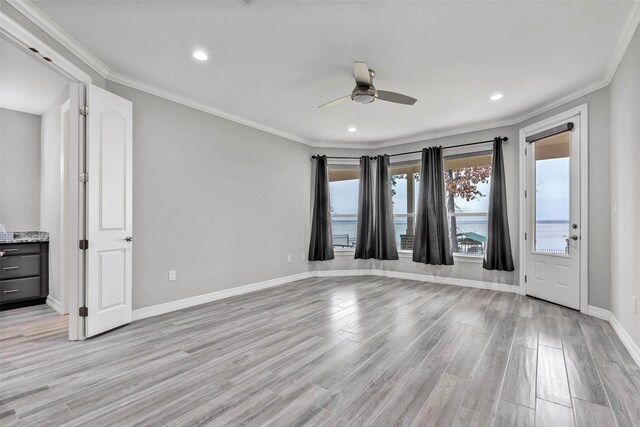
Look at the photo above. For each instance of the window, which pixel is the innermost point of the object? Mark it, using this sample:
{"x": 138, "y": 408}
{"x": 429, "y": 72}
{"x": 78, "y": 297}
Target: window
{"x": 405, "y": 181}
{"x": 468, "y": 179}
{"x": 552, "y": 194}
{"x": 343, "y": 188}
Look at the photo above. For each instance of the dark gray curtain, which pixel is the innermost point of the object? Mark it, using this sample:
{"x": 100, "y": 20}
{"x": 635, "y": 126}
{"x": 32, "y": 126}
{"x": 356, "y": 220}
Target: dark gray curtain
{"x": 384, "y": 228}
{"x": 365, "y": 237}
{"x": 321, "y": 243}
{"x": 497, "y": 254}
{"x": 431, "y": 241}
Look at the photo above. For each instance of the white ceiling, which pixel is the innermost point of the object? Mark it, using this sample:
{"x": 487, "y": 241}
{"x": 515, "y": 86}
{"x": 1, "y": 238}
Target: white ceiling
{"x": 273, "y": 62}
{"x": 27, "y": 84}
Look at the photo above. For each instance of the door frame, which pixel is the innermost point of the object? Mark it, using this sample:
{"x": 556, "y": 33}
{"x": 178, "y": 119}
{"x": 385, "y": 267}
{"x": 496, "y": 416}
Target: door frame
{"x": 73, "y": 257}
{"x": 65, "y": 139}
{"x": 583, "y": 112}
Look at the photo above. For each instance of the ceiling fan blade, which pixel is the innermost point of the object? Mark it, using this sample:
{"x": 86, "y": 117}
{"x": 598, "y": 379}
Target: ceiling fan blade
{"x": 335, "y": 101}
{"x": 361, "y": 73}
{"x": 398, "y": 98}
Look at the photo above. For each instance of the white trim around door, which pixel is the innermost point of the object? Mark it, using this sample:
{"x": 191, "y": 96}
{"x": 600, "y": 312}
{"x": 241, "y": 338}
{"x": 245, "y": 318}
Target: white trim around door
{"x": 582, "y": 111}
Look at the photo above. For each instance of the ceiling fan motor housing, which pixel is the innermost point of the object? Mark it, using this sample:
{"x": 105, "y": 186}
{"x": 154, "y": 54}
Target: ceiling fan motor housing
{"x": 364, "y": 95}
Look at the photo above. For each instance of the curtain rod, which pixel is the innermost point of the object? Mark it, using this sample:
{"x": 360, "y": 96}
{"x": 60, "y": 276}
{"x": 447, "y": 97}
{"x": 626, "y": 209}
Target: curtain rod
{"x": 502, "y": 139}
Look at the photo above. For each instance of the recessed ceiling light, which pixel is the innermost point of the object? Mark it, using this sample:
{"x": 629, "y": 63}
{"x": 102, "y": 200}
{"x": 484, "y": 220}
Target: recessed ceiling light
{"x": 200, "y": 55}
{"x": 496, "y": 96}
{"x": 352, "y": 129}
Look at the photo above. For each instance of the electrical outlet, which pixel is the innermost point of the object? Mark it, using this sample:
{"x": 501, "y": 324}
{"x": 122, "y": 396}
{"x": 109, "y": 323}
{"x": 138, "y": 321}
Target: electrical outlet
{"x": 303, "y": 256}
{"x": 288, "y": 258}
{"x": 635, "y": 304}
{"x": 172, "y": 275}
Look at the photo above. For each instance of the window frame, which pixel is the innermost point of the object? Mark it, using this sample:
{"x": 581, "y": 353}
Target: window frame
{"x": 409, "y": 160}
{"x": 343, "y": 163}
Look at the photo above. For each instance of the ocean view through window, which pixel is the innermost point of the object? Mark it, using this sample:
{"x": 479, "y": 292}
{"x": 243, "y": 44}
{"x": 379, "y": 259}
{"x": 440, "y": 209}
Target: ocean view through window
{"x": 343, "y": 189}
{"x": 552, "y": 194}
{"x": 468, "y": 182}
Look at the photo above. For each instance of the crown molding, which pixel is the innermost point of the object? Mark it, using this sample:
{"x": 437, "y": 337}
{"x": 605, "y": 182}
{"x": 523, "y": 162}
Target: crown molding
{"x": 572, "y": 96}
{"x": 629, "y": 29}
{"x": 428, "y": 136}
{"x": 153, "y": 90}
{"x": 39, "y": 18}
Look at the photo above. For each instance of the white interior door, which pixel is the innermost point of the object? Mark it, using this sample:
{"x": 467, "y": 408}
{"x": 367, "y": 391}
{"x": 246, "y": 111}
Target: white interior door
{"x": 109, "y": 211}
{"x": 553, "y": 217}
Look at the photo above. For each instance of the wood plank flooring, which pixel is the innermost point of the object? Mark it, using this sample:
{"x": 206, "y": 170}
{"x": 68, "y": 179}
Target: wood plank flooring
{"x": 351, "y": 351}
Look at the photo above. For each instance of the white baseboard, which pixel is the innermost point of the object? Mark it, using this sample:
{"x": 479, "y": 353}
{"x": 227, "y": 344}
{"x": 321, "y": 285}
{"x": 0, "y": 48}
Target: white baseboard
{"x": 422, "y": 278}
{"x": 55, "y": 304}
{"x": 155, "y": 310}
{"x": 598, "y": 312}
{"x": 626, "y": 339}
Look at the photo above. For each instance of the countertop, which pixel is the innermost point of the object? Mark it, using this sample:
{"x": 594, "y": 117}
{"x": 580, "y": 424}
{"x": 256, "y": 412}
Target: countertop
{"x": 24, "y": 237}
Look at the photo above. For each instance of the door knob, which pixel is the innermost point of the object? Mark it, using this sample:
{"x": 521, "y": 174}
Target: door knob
{"x": 574, "y": 237}
{"x": 129, "y": 239}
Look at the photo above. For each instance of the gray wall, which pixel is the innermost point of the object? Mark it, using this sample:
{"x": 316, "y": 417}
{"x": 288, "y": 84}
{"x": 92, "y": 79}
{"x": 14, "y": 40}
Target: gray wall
{"x": 625, "y": 189}
{"x": 19, "y": 170}
{"x": 599, "y": 188}
{"x": 221, "y": 203}
{"x": 464, "y": 267}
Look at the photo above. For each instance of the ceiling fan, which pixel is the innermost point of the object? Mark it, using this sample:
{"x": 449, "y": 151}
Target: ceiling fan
{"x": 365, "y": 92}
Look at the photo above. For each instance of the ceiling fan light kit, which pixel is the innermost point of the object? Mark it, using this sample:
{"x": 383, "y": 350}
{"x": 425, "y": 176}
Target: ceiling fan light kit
{"x": 365, "y": 92}
{"x": 364, "y": 95}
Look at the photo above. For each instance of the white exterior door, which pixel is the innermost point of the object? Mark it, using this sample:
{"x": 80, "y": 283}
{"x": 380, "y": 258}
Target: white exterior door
{"x": 109, "y": 211}
{"x": 553, "y": 203}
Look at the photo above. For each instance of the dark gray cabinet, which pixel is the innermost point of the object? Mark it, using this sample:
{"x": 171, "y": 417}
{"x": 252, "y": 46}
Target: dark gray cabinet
{"x": 24, "y": 273}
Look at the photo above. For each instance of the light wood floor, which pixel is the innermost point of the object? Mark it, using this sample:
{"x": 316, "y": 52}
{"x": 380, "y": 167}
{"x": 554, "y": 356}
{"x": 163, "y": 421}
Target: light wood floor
{"x": 346, "y": 351}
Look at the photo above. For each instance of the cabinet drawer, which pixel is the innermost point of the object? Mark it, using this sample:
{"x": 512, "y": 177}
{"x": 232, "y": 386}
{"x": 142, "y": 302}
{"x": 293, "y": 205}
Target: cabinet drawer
{"x": 19, "y": 289}
{"x": 11, "y": 249}
{"x": 19, "y": 266}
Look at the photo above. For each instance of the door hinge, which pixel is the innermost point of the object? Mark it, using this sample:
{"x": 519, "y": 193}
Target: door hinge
{"x": 83, "y": 177}
{"x": 83, "y": 311}
{"x": 84, "y": 244}
{"x": 525, "y": 278}
{"x": 525, "y": 151}
{"x": 525, "y": 236}
{"x": 525, "y": 194}
{"x": 84, "y": 110}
